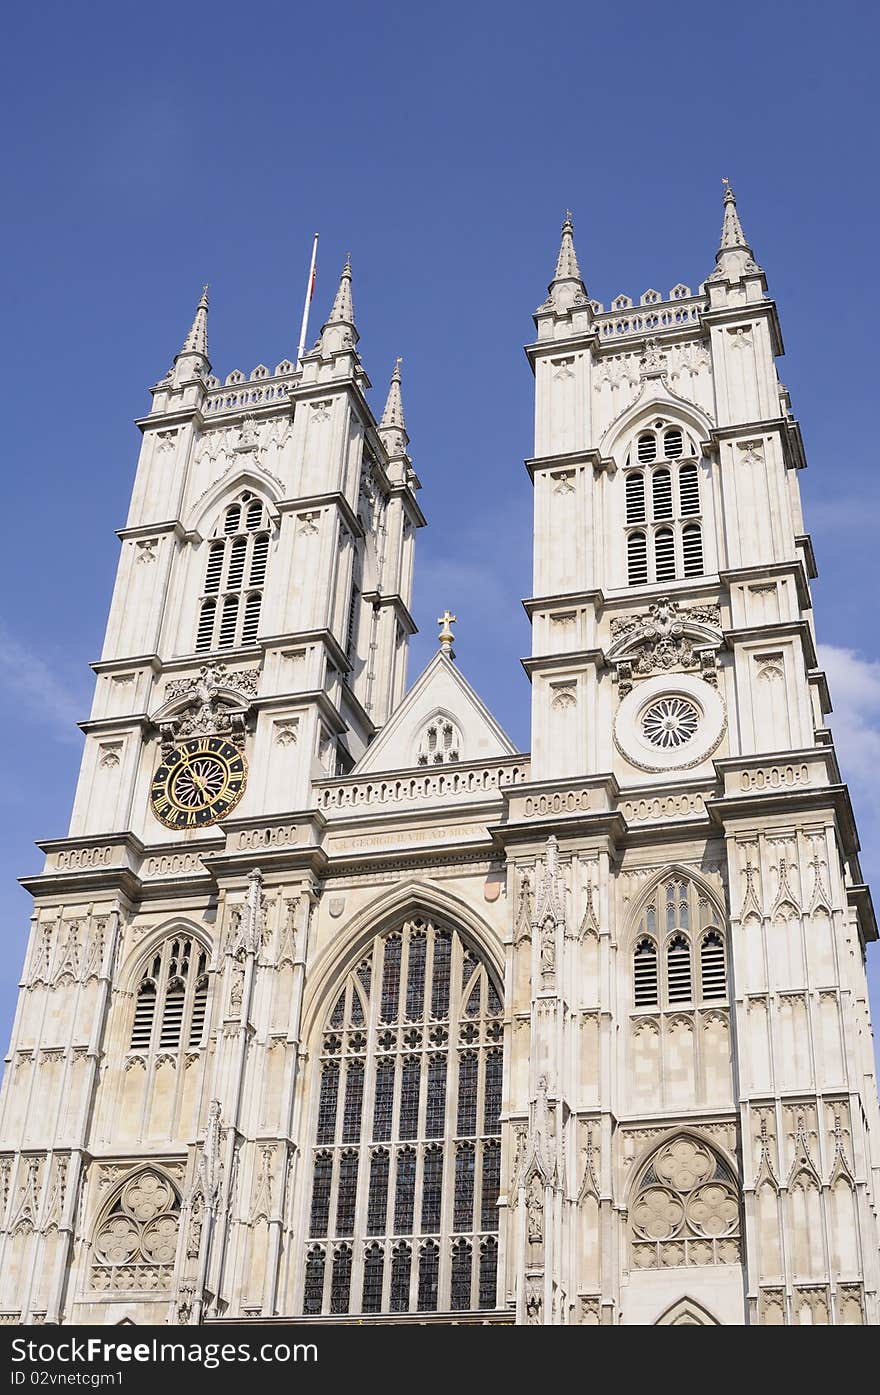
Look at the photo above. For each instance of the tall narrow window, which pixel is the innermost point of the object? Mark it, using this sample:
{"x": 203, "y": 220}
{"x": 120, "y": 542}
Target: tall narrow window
{"x": 689, "y": 489}
{"x": 251, "y": 618}
{"x": 207, "y": 616}
{"x": 374, "y": 1269}
{"x": 664, "y": 554}
{"x": 678, "y": 970}
{"x": 229, "y": 622}
{"x": 635, "y": 498}
{"x": 237, "y": 558}
{"x": 692, "y": 549}
{"x": 661, "y": 486}
{"x": 645, "y": 974}
{"x": 637, "y": 559}
{"x": 406, "y": 1159}
{"x": 712, "y": 970}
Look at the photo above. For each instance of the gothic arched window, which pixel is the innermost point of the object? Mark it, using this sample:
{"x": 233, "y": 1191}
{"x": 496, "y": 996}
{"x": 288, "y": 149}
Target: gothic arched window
{"x": 692, "y": 965}
{"x": 439, "y": 742}
{"x": 406, "y": 1163}
{"x": 685, "y": 1209}
{"x": 172, "y": 998}
{"x": 662, "y": 498}
{"x": 235, "y": 573}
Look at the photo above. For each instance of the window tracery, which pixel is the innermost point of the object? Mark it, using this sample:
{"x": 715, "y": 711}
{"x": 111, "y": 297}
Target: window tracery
{"x": 406, "y": 1162}
{"x": 136, "y": 1241}
{"x": 686, "y": 1209}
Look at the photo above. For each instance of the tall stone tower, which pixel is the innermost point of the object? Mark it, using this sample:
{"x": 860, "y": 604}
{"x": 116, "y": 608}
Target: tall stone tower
{"x": 337, "y": 1006}
{"x": 706, "y": 1029}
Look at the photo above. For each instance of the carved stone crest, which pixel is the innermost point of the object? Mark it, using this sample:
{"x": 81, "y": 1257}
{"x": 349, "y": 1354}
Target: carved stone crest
{"x": 670, "y": 637}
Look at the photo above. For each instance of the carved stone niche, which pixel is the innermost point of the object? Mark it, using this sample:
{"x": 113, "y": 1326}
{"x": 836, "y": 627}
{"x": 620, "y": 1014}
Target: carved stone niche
{"x": 214, "y": 703}
{"x": 667, "y": 638}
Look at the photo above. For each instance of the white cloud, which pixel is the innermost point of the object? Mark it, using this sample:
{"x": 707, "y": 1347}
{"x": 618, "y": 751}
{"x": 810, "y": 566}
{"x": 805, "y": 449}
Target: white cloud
{"x": 40, "y": 695}
{"x": 855, "y": 723}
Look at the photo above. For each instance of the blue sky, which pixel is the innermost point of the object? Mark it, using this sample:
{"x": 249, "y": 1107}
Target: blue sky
{"x": 151, "y": 148}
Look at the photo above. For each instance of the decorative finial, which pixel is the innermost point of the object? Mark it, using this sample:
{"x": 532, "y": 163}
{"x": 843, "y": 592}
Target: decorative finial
{"x": 446, "y": 637}
{"x": 734, "y": 258}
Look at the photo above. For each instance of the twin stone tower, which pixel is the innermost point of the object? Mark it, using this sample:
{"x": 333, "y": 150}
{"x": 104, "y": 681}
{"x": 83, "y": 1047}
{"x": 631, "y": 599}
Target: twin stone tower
{"x": 336, "y": 1006}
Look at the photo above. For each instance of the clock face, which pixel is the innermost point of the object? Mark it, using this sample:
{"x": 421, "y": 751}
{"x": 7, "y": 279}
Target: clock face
{"x": 198, "y": 783}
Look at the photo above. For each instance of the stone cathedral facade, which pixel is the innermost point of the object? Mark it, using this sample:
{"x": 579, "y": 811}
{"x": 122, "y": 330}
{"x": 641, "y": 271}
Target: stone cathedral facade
{"x": 336, "y": 1006}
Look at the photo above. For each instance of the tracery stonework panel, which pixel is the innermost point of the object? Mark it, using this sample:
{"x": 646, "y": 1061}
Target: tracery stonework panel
{"x": 686, "y": 1209}
{"x": 136, "y": 1240}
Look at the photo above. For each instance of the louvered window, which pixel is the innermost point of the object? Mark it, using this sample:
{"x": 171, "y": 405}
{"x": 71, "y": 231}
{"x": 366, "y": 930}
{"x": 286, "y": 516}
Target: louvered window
{"x": 712, "y": 968}
{"x": 694, "y": 967}
{"x": 637, "y": 559}
{"x": 635, "y": 498}
{"x": 663, "y": 499}
{"x": 678, "y": 970}
{"x": 229, "y": 616}
{"x": 406, "y": 1160}
{"x": 692, "y": 549}
{"x": 645, "y": 974}
{"x": 689, "y": 489}
{"x": 661, "y": 485}
{"x": 172, "y": 998}
{"x": 673, "y": 443}
{"x": 646, "y": 448}
{"x": 664, "y": 554}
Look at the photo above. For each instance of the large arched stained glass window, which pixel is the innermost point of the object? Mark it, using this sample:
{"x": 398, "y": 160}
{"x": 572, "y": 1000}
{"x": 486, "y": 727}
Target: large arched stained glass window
{"x": 405, "y": 1169}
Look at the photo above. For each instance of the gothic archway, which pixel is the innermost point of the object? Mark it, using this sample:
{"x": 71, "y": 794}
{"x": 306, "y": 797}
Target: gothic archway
{"x": 405, "y": 1127}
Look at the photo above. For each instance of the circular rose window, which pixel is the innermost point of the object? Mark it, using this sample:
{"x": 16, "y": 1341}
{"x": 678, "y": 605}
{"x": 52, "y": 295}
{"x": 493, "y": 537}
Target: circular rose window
{"x": 670, "y": 723}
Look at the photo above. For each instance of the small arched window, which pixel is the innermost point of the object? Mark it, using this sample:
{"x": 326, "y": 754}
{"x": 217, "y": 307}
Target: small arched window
{"x": 237, "y": 558}
{"x": 678, "y": 970}
{"x": 646, "y": 447}
{"x": 172, "y": 998}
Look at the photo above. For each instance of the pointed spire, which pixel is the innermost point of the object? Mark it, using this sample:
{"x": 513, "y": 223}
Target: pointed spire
{"x": 343, "y": 306}
{"x": 393, "y": 413}
{"x": 392, "y": 427}
{"x": 195, "y": 346}
{"x": 734, "y": 256}
{"x": 567, "y": 263}
{"x": 338, "y": 332}
{"x": 567, "y": 288}
{"x": 196, "y": 342}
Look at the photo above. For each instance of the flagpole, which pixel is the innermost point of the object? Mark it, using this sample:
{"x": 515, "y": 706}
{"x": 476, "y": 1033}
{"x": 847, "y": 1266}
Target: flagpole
{"x": 310, "y": 286}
